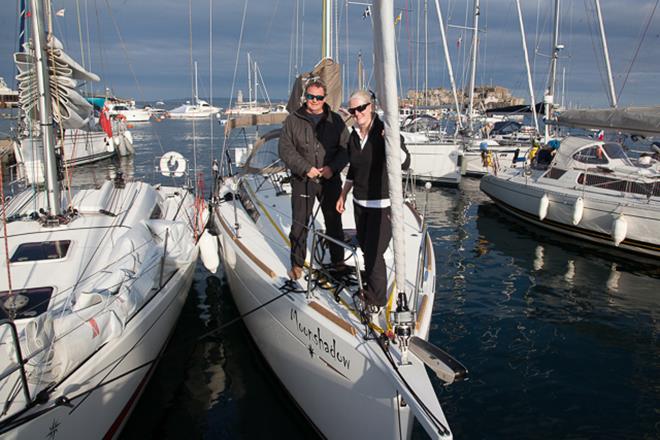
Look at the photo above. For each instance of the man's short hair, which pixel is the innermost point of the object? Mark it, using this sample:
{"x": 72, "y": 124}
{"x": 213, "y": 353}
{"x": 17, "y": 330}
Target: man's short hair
{"x": 316, "y": 83}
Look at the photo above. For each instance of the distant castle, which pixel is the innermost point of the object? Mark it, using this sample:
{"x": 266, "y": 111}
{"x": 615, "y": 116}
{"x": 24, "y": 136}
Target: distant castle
{"x": 485, "y": 97}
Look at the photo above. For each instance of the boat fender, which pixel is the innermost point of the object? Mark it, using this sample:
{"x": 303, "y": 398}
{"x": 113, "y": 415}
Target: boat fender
{"x": 619, "y": 229}
{"x": 578, "y": 209}
{"x": 543, "y": 206}
{"x": 208, "y": 249}
{"x": 128, "y": 141}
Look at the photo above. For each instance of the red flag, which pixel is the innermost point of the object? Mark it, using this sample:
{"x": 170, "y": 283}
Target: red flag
{"x": 106, "y": 125}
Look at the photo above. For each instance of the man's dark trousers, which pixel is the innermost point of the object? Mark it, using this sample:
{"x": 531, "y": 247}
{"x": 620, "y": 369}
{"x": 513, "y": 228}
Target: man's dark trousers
{"x": 304, "y": 191}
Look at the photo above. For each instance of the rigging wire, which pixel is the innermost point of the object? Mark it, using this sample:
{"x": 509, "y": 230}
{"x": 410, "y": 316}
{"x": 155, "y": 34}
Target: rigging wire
{"x": 639, "y": 45}
{"x": 233, "y": 81}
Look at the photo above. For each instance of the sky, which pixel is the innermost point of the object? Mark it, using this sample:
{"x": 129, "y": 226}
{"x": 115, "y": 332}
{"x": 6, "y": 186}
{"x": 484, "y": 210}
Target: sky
{"x": 145, "y": 49}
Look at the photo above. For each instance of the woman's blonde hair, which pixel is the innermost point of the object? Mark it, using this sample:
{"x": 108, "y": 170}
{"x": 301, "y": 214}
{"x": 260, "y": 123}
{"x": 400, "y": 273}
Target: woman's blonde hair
{"x": 362, "y": 95}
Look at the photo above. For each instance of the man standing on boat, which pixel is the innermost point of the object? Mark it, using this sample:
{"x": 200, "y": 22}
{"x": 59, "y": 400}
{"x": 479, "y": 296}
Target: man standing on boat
{"x": 313, "y": 145}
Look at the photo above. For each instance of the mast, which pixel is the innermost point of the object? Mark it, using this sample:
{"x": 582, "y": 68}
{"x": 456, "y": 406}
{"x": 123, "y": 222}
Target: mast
{"x": 426, "y": 52}
{"x": 450, "y": 69}
{"x": 606, "y": 55}
{"x": 196, "y": 102}
{"x": 529, "y": 74}
{"x": 385, "y": 72}
{"x": 256, "y": 83}
{"x": 45, "y": 111}
{"x": 360, "y": 72}
{"x": 326, "y": 41}
{"x": 473, "y": 67}
{"x": 249, "y": 68}
{"x": 548, "y": 99}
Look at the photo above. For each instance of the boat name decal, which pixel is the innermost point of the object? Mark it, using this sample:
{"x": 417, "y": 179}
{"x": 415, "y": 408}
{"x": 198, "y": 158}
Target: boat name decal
{"x": 315, "y": 338}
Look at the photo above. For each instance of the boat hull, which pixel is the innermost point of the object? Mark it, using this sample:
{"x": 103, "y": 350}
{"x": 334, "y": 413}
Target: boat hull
{"x": 124, "y": 366}
{"x": 314, "y": 359}
{"x": 597, "y": 219}
{"x": 437, "y": 163}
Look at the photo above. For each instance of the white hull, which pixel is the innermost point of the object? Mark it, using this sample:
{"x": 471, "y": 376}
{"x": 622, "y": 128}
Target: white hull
{"x": 102, "y": 412}
{"x": 137, "y": 115}
{"x": 522, "y": 197}
{"x": 344, "y": 385}
{"x": 501, "y": 157}
{"x": 80, "y": 147}
{"x": 112, "y": 300}
{"x": 435, "y": 162}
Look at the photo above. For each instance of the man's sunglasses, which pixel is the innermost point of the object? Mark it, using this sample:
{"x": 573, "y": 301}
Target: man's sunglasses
{"x": 359, "y": 108}
{"x": 310, "y": 97}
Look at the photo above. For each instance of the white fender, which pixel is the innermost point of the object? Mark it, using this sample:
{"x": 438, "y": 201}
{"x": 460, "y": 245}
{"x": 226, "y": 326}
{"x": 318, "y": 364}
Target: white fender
{"x": 619, "y": 229}
{"x": 578, "y": 209}
{"x": 128, "y": 141}
{"x": 543, "y": 206}
{"x": 208, "y": 250}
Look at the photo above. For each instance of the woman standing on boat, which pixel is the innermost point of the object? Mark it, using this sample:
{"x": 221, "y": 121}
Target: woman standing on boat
{"x": 367, "y": 176}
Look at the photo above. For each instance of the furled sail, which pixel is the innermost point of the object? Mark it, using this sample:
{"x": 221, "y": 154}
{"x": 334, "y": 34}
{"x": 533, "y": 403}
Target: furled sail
{"x": 327, "y": 71}
{"x": 633, "y": 120}
{"x": 70, "y": 109}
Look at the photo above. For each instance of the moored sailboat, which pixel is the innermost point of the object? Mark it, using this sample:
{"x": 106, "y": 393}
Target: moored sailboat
{"x": 353, "y": 373}
{"x": 95, "y": 281}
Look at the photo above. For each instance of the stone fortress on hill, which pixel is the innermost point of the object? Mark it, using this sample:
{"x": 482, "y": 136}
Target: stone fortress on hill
{"x": 485, "y": 97}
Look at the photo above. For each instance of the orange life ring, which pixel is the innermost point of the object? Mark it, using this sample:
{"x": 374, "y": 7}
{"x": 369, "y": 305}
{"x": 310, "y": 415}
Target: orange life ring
{"x": 120, "y": 117}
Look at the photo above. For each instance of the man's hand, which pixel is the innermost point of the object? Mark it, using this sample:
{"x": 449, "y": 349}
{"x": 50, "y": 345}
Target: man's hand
{"x": 326, "y": 172}
{"x": 313, "y": 173}
{"x": 340, "y": 203}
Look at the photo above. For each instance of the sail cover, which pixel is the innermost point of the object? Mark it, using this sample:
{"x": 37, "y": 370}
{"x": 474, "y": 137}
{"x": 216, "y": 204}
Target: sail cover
{"x": 633, "y": 120}
{"x": 70, "y": 109}
{"x": 327, "y": 71}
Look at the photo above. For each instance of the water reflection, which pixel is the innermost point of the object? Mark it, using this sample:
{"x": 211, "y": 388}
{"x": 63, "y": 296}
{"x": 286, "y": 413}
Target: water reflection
{"x": 544, "y": 326}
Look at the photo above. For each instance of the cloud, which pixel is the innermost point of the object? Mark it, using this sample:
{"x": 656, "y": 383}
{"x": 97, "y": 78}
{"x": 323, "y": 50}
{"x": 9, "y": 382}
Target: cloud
{"x": 150, "y": 57}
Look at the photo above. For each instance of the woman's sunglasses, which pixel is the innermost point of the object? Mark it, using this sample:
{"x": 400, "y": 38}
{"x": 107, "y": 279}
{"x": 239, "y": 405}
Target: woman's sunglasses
{"x": 359, "y": 108}
{"x": 310, "y": 97}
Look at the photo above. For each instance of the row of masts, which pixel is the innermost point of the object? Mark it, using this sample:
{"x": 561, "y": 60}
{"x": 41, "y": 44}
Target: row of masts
{"x": 328, "y": 50}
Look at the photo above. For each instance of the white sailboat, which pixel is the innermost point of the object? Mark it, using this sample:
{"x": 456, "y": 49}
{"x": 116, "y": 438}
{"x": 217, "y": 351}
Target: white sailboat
{"x": 93, "y": 283}
{"x": 199, "y": 109}
{"x": 79, "y": 138}
{"x": 433, "y": 158}
{"x": 589, "y": 189}
{"x": 354, "y": 375}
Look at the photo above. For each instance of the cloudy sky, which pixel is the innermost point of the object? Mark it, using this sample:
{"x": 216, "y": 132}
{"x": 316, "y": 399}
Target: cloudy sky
{"x": 143, "y": 49}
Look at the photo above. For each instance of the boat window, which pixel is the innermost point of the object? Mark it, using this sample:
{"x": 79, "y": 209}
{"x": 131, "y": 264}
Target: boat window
{"x": 591, "y": 155}
{"x": 616, "y": 151}
{"x": 619, "y": 185}
{"x": 247, "y": 202}
{"x": 156, "y": 213}
{"x": 554, "y": 173}
{"x": 24, "y": 303}
{"x": 42, "y": 250}
{"x": 265, "y": 157}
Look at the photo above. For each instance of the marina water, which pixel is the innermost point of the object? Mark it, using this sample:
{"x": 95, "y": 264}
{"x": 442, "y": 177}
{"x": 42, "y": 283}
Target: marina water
{"x": 561, "y": 338}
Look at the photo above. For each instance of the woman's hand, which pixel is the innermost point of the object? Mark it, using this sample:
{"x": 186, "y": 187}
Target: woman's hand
{"x": 340, "y": 203}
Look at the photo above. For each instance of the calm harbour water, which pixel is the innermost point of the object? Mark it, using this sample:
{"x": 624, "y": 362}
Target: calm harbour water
{"x": 561, "y": 339}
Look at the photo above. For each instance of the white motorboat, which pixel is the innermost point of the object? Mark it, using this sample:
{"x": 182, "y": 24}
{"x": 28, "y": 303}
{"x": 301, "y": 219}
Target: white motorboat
{"x": 590, "y": 190}
{"x": 94, "y": 281}
{"x": 126, "y": 110}
{"x": 354, "y": 374}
